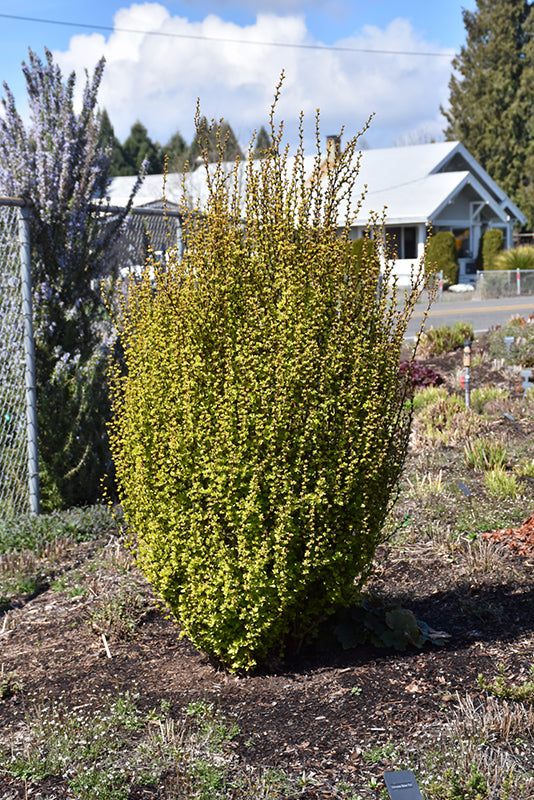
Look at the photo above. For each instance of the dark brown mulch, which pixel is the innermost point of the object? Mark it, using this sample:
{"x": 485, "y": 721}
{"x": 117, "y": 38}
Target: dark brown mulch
{"x": 319, "y": 713}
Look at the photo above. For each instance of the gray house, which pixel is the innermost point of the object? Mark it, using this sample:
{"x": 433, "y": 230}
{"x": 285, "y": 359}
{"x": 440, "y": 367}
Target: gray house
{"x": 439, "y": 185}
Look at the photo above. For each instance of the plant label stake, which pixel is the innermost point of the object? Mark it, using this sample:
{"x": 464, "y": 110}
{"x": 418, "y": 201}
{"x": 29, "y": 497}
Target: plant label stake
{"x": 463, "y": 488}
{"x": 509, "y": 340}
{"x": 467, "y": 367}
{"x": 508, "y": 416}
{"x": 402, "y": 785}
{"x": 527, "y": 375}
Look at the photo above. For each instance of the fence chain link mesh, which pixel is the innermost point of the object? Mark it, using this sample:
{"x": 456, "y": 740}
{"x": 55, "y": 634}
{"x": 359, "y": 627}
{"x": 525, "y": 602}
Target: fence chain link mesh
{"x": 148, "y": 231}
{"x": 14, "y": 490}
{"x": 505, "y": 283}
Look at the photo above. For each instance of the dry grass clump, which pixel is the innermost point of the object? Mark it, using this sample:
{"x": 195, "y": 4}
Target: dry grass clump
{"x": 485, "y": 454}
{"x": 483, "y": 557}
{"x": 446, "y": 422}
{"x": 427, "y": 484}
{"x": 484, "y": 751}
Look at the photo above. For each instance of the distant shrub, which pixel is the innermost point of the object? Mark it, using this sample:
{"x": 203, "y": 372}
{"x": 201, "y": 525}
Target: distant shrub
{"x": 420, "y": 374}
{"x": 492, "y": 244}
{"x": 518, "y": 258}
{"x": 262, "y": 425}
{"x": 441, "y": 256}
{"x": 363, "y": 250}
{"x": 521, "y": 350}
{"x": 436, "y": 341}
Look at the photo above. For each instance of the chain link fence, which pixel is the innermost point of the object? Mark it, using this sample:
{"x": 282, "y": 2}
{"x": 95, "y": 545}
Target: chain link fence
{"x": 153, "y": 230}
{"x": 146, "y": 230}
{"x": 18, "y": 431}
{"x": 505, "y": 283}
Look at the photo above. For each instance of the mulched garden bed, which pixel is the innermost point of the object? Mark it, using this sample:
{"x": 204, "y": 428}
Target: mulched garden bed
{"x": 320, "y": 714}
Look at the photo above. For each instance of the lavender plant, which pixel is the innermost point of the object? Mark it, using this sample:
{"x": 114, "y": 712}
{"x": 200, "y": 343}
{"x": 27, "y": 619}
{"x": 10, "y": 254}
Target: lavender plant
{"x": 57, "y": 163}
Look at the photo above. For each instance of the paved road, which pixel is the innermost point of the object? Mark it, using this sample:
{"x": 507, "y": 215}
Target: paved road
{"x": 482, "y": 314}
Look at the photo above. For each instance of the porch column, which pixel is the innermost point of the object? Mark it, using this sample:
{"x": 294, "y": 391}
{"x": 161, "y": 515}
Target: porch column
{"x": 476, "y": 229}
{"x": 421, "y": 240}
{"x": 509, "y": 240}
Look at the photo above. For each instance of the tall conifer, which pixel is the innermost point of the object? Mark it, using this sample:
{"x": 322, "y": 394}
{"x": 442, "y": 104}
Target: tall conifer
{"x": 263, "y": 144}
{"x": 208, "y": 141}
{"x": 483, "y": 111}
{"x": 525, "y": 106}
{"x": 176, "y": 152}
{"x": 139, "y": 148}
{"x": 107, "y": 139}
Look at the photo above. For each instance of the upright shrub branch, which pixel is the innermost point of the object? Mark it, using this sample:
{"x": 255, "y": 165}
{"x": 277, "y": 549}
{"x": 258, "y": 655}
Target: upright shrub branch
{"x": 262, "y": 424}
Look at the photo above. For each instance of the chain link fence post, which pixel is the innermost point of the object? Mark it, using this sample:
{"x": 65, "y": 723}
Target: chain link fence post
{"x": 29, "y": 358}
{"x": 19, "y": 491}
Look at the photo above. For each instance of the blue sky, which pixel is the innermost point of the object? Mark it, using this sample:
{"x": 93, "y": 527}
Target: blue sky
{"x": 221, "y": 53}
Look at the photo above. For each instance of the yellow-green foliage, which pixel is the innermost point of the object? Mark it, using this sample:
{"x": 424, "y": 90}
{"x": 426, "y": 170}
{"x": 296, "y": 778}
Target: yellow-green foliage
{"x": 261, "y": 424}
{"x": 483, "y": 395}
{"x": 500, "y": 483}
{"x": 518, "y": 258}
{"x": 428, "y": 396}
{"x": 485, "y": 454}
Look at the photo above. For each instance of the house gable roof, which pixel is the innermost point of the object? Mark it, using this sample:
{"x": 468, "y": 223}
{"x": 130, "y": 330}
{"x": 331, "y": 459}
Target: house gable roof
{"x": 414, "y": 184}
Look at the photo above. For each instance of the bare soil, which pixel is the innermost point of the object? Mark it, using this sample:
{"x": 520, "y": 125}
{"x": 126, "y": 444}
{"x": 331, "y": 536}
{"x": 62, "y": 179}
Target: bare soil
{"x": 317, "y": 715}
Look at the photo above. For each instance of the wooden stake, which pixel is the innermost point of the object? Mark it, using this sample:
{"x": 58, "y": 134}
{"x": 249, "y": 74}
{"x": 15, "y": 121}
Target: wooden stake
{"x": 106, "y": 645}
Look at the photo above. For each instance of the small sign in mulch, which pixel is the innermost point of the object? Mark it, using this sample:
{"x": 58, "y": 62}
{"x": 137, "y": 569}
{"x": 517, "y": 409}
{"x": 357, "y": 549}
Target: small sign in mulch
{"x": 402, "y": 785}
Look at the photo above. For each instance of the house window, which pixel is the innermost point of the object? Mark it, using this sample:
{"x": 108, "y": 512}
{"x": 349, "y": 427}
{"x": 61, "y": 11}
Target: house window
{"x": 410, "y": 242}
{"x": 461, "y": 240}
{"x": 402, "y": 241}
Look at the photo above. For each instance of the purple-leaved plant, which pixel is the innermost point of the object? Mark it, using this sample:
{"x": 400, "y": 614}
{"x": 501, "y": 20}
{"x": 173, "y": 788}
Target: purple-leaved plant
{"x": 59, "y": 165}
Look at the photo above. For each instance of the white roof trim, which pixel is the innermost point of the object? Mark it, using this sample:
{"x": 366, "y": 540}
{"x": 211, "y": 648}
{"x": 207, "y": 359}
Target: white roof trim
{"x": 470, "y": 180}
{"x": 483, "y": 177}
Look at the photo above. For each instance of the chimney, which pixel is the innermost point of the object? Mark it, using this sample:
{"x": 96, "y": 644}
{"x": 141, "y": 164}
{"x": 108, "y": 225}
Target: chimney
{"x": 333, "y": 148}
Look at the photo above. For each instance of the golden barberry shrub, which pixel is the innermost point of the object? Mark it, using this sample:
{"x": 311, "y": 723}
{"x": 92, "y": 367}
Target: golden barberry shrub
{"x": 261, "y": 423}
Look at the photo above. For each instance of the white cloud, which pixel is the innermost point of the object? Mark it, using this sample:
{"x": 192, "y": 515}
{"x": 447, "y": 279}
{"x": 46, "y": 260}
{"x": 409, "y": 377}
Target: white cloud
{"x": 157, "y": 79}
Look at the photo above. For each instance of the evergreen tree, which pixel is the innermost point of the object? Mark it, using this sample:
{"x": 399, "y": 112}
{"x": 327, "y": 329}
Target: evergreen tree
{"x": 525, "y": 106}
{"x": 59, "y": 162}
{"x": 138, "y": 148}
{"x": 176, "y": 151}
{"x": 213, "y": 142}
{"x": 263, "y": 144}
{"x": 106, "y": 134}
{"x": 484, "y": 112}
{"x": 107, "y": 139}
